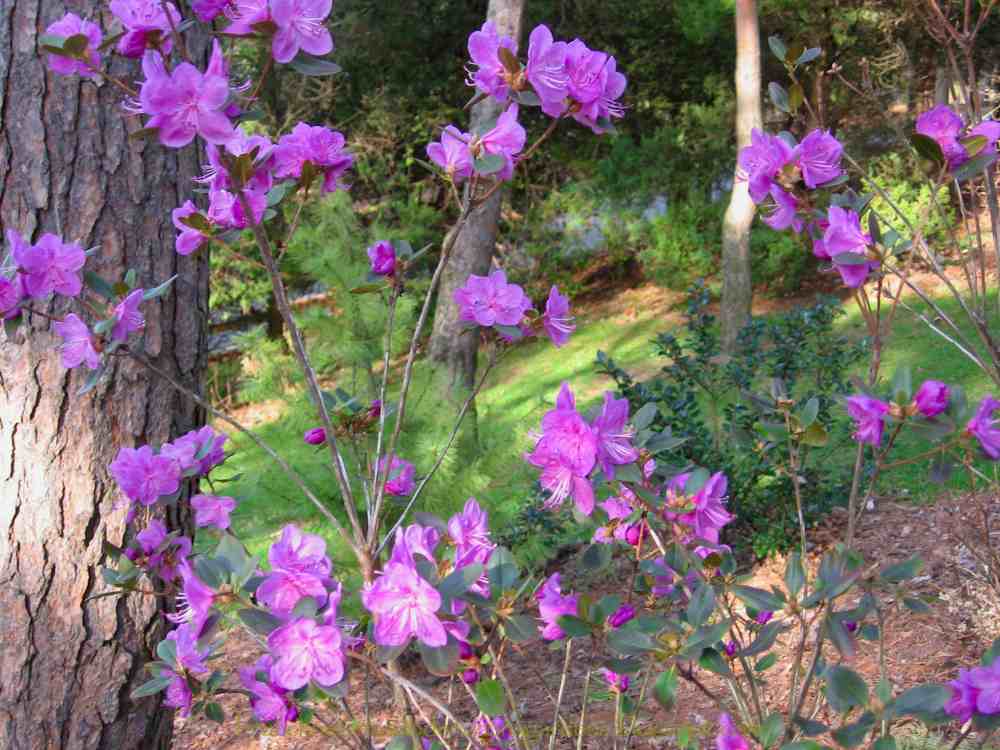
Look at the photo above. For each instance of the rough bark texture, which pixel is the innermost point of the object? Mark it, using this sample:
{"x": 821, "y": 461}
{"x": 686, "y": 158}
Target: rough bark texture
{"x": 737, "y": 287}
{"x": 452, "y": 345}
{"x": 68, "y": 665}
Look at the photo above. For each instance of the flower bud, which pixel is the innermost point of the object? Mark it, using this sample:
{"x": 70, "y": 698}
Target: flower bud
{"x": 932, "y": 398}
{"x": 622, "y": 615}
{"x": 764, "y": 617}
{"x": 383, "y": 258}
{"x": 315, "y": 436}
{"x": 730, "y": 649}
{"x": 470, "y": 676}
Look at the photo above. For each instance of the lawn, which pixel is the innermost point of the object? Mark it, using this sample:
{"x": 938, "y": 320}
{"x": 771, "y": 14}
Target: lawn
{"x": 519, "y": 391}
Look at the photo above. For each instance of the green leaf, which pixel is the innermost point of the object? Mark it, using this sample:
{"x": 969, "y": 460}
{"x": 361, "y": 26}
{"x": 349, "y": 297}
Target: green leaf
{"x": 490, "y": 698}
{"x": 779, "y": 97}
{"x": 843, "y": 641}
{"x": 975, "y": 166}
{"x": 502, "y": 571}
{"x": 441, "y": 661}
{"x": 701, "y": 606}
{"x": 152, "y": 687}
{"x": 764, "y": 640}
{"x": 852, "y": 735}
{"x": 213, "y": 712}
{"x": 902, "y": 384}
{"x": 777, "y": 47}
{"x": 92, "y": 380}
{"x": 809, "y": 55}
{"x": 991, "y": 654}
{"x": 815, "y": 435}
{"x": 514, "y": 333}
{"x": 167, "y": 651}
{"x": 809, "y": 412}
{"x": 665, "y": 689}
{"x": 903, "y": 571}
{"x": 795, "y": 574}
{"x": 459, "y": 581}
{"x": 845, "y": 689}
{"x": 573, "y": 626}
{"x": 766, "y": 662}
{"x": 97, "y": 284}
{"x": 919, "y": 606}
{"x": 630, "y": 641}
{"x": 520, "y": 628}
{"x": 927, "y": 148}
{"x": 696, "y": 480}
{"x": 259, "y": 621}
{"x": 771, "y": 730}
{"x": 712, "y": 660}
{"x": 921, "y": 701}
{"x": 645, "y": 416}
{"x": 305, "y": 607}
{"x": 885, "y": 743}
{"x": 158, "y": 291}
{"x": 528, "y": 99}
{"x": 811, "y": 728}
{"x": 489, "y": 164}
{"x": 758, "y": 598}
{"x": 308, "y": 65}
{"x": 400, "y": 743}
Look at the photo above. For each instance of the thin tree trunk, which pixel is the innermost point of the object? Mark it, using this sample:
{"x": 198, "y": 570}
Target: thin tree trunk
{"x": 452, "y": 345}
{"x": 737, "y": 285}
{"x": 68, "y": 665}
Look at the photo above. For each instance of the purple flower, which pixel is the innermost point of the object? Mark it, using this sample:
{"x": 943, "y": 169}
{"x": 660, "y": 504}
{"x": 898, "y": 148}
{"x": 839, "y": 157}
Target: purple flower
{"x": 986, "y": 682}
{"x": 184, "y": 451}
{"x": 147, "y": 26}
{"x": 983, "y": 427}
{"x": 189, "y": 657}
{"x": 225, "y": 209}
{"x": 490, "y": 300}
{"x": 818, "y": 157}
{"x": 194, "y": 602}
{"x": 305, "y": 553}
{"x": 259, "y": 147}
{"x": 470, "y": 676}
{"x": 212, "y": 510}
{"x": 557, "y": 321}
{"x": 728, "y": 738}
{"x": 48, "y": 266}
{"x": 932, "y": 398}
{"x": 552, "y": 605}
{"x": 414, "y": 540}
{"x": 869, "y": 418}
{"x": 186, "y": 102}
{"x": 269, "y": 701}
{"x": 566, "y": 453}
{"x": 452, "y": 153}
{"x": 400, "y": 481}
{"x": 763, "y": 617}
{"x": 404, "y": 605}
{"x": 304, "y": 651}
{"x": 730, "y": 648}
{"x": 945, "y": 127}
{"x": 383, "y": 258}
{"x": 990, "y": 130}
{"x": 470, "y": 530}
{"x": 161, "y": 552}
{"x": 143, "y": 476}
{"x": 321, "y": 147}
{"x": 11, "y": 294}
{"x": 178, "y": 694}
{"x": 300, "y": 568}
{"x": 490, "y": 76}
{"x": 128, "y": 319}
{"x": 546, "y": 70}
{"x": 964, "y": 697}
{"x": 189, "y": 239}
{"x": 300, "y": 27}
{"x": 594, "y": 85}
{"x": 315, "y": 436}
{"x": 490, "y": 731}
{"x": 761, "y": 162}
{"x": 617, "y": 683}
{"x": 246, "y": 14}
{"x": 614, "y": 440}
{"x": 844, "y": 235}
{"x": 506, "y": 139}
{"x": 208, "y": 10}
{"x": 72, "y": 25}
{"x": 709, "y": 515}
{"x": 78, "y": 344}
{"x": 621, "y": 615}
{"x": 784, "y": 213}
{"x": 281, "y": 590}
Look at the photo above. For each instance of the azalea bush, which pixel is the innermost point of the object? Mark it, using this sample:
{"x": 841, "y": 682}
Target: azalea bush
{"x": 443, "y": 588}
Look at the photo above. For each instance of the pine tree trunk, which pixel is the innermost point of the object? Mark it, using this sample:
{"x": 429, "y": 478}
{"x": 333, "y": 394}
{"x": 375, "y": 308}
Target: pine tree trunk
{"x": 68, "y": 665}
{"x": 737, "y": 285}
{"x": 453, "y": 346}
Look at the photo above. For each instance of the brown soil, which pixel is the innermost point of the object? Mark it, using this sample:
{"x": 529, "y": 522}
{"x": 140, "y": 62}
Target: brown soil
{"x": 920, "y": 649}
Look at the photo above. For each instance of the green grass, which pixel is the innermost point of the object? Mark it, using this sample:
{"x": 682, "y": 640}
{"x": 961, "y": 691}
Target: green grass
{"x": 519, "y": 391}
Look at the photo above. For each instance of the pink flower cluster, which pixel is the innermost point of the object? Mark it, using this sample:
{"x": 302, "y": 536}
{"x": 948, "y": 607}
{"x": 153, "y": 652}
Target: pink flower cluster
{"x": 569, "y": 449}
{"x": 976, "y": 691}
{"x": 462, "y": 154}
{"x": 946, "y": 127}
{"x": 569, "y": 79}
{"x": 298, "y": 25}
{"x": 705, "y": 521}
{"x": 490, "y": 301}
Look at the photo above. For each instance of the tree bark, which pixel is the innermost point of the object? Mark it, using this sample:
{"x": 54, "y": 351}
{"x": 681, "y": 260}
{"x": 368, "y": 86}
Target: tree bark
{"x": 737, "y": 285}
{"x": 452, "y": 345}
{"x": 67, "y": 166}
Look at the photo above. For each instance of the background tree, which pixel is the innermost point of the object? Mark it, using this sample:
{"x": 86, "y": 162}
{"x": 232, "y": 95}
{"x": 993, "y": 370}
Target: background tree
{"x": 452, "y": 346}
{"x": 68, "y": 166}
{"x": 737, "y": 285}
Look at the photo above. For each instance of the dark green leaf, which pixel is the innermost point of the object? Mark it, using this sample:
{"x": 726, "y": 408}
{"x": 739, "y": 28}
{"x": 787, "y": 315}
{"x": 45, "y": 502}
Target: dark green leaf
{"x": 701, "y": 606}
{"x": 97, "y": 284}
{"x": 885, "y": 743}
{"x": 630, "y": 641}
{"x": 991, "y": 654}
{"x": 213, "y": 712}
{"x": 489, "y": 164}
{"x": 260, "y": 622}
{"x": 815, "y": 436}
{"x": 167, "y": 651}
{"x": 764, "y": 640}
{"x": 502, "y": 570}
{"x": 927, "y": 148}
{"x": 811, "y": 728}
{"x": 852, "y": 735}
{"x": 903, "y": 571}
{"x": 921, "y": 701}
{"x": 152, "y": 687}
{"x": 712, "y": 660}
{"x": 308, "y": 65}
{"x": 459, "y": 581}
{"x": 916, "y": 605}
{"x": 779, "y": 97}
{"x": 758, "y": 598}
{"x": 766, "y": 662}
{"x": 975, "y": 166}
{"x": 795, "y": 574}
{"x": 573, "y": 626}
{"x": 490, "y": 698}
{"x": 809, "y": 55}
{"x": 845, "y": 689}
{"x": 777, "y": 47}
{"x": 441, "y": 661}
{"x": 645, "y": 416}
{"x": 665, "y": 689}
{"x": 809, "y": 412}
{"x": 696, "y": 480}
{"x": 771, "y": 730}
{"x": 158, "y": 291}
{"x": 520, "y": 628}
